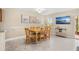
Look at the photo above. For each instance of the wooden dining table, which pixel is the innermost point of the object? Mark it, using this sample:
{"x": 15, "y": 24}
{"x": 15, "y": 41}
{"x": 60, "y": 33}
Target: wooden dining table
{"x": 37, "y": 34}
{"x": 36, "y": 30}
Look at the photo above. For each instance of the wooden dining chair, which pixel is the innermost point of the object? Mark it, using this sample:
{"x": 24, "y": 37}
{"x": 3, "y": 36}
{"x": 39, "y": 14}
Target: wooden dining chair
{"x": 36, "y": 34}
{"x": 27, "y": 32}
{"x": 33, "y": 37}
{"x": 47, "y": 32}
{"x": 42, "y": 34}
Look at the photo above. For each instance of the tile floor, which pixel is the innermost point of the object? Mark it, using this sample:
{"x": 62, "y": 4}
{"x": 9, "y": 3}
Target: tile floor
{"x": 77, "y": 42}
{"x": 54, "y": 44}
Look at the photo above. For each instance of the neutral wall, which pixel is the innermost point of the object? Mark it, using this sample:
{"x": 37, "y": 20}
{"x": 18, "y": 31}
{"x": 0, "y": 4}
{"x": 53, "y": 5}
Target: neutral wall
{"x": 13, "y": 27}
{"x": 71, "y": 28}
{"x": 12, "y": 21}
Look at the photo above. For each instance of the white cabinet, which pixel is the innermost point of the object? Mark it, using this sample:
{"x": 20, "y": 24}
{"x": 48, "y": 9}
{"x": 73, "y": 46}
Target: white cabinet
{"x": 61, "y": 32}
{"x": 2, "y": 41}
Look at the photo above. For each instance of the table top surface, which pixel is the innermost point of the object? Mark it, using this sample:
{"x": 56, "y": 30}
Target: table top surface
{"x": 35, "y": 30}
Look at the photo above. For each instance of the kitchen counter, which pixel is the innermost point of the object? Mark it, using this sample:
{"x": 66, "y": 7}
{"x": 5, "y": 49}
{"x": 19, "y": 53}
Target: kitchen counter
{"x": 2, "y": 40}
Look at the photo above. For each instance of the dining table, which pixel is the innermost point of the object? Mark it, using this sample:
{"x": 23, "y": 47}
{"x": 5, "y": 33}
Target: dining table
{"x": 37, "y": 34}
{"x": 36, "y": 31}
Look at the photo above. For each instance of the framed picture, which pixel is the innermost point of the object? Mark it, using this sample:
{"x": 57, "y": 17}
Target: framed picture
{"x": 24, "y": 19}
{"x": 33, "y": 20}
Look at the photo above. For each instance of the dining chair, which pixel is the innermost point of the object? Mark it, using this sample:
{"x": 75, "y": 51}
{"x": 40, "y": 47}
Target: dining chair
{"x": 33, "y": 37}
{"x": 42, "y": 35}
{"x": 47, "y": 32}
{"x": 27, "y": 32}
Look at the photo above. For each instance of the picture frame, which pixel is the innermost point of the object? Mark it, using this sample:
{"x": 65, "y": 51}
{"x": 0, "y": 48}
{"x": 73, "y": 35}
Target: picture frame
{"x": 34, "y": 20}
{"x": 24, "y": 19}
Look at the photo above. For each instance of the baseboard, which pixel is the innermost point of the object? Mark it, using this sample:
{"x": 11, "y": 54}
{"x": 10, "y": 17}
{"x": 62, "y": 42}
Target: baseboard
{"x": 14, "y": 38}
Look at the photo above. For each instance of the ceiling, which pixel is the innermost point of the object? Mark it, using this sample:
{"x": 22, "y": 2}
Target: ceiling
{"x": 55, "y": 10}
{"x": 48, "y": 10}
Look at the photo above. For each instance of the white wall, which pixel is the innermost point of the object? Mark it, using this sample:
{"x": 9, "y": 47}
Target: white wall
{"x": 13, "y": 27}
{"x": 12, "y": 21}
{"x": 70, "y": 27}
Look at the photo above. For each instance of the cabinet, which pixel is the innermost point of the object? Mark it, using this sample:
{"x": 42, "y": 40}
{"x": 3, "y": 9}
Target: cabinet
{"x": 2, "y": 41}
{"x": 61, "y": 32}
{"x": 0, "y": 15}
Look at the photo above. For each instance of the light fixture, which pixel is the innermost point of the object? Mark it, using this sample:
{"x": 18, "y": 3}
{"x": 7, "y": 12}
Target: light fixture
{"x": 40, "y": 10}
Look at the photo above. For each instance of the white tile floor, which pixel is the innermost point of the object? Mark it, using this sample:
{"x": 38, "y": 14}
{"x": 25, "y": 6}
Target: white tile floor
{"x": 54, "y": 44}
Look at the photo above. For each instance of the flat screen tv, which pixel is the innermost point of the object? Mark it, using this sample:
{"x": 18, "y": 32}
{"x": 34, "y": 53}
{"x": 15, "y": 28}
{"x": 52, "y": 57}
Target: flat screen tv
{"x": 63, "y": 20}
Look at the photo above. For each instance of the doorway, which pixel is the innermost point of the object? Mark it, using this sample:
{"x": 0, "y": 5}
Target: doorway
{"x": 77, "y": 28}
